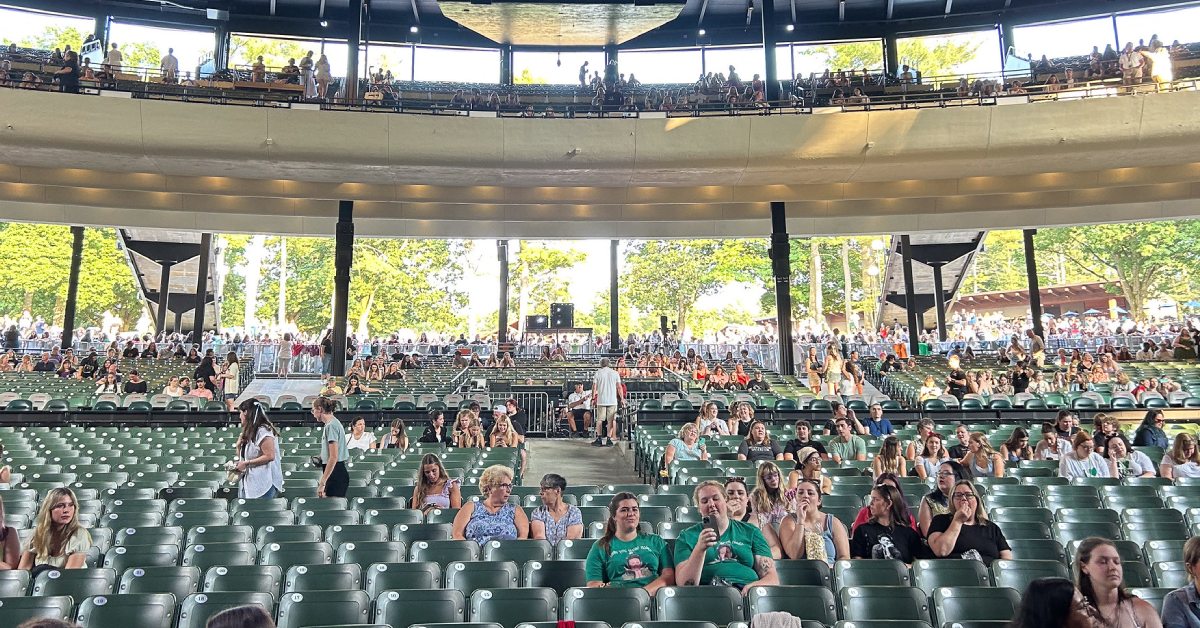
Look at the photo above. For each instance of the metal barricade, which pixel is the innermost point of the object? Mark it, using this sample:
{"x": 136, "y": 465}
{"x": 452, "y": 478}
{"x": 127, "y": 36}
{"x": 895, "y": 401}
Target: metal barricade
{"x": 536, "y": 405}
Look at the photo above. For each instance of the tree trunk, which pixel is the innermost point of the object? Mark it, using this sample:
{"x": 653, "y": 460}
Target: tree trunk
{"x": 816, "y": 296}
{"x": 522, "y": 296}
{"x": 28, "y": 301}
{"x": 846, "y": 284}
{"x": 283, "y": 262}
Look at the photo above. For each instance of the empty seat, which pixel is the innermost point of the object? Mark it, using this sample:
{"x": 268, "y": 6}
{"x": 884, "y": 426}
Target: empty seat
{"x": 806, "y": 602}
{"x": 720, "y": 605}
{"x": 866, "y": 572}
{"x": 1017, "y": 574}
{"x": 305, "y": 578}
{"x": 77, "y": 583}
{"x": 386, "y": 576}
{"x": 932, "y": 574}
{"x": 196, "y": 609}
{"x": 404, "y": 607}
{"x": 518, "y": 551}
{"x": 473, "y": 575}
{"x": 615, "y": 606}
{"x": 509, "y": 607}
{"x": 443, "y": 552}
{"x": 883, "y": 602}
{"x": 178, "y": 581}
{"x": 16, "y": 610}
{"x": 804, "y": 572}
{"x": 956, "y": 604}
{"x": 266, "y": 578}
{"x": 323, "y": 608}
{"x": 131, "y": 610}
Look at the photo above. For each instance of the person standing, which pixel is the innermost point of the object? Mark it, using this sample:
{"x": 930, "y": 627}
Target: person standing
{"x": 306, "y": 76}
{"x": 1037, "y": 350}
{"x": 169, "y": 66}
{"x": 68, "y": 74}
{"x": 334, "y": 477}
{"x": 231, "y": 375}
{"x": 607, "y": 396}
{"x": 260, "y": 463}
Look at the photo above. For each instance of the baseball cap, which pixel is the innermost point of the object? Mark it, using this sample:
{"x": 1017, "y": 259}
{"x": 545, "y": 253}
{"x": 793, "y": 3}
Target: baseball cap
{"x": 500, "y": 408}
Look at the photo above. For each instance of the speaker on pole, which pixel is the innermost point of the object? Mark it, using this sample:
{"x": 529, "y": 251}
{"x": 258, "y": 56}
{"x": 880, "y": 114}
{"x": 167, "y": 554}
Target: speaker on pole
{"x": 537, "y": 322}
{"x": 562, "y": 315}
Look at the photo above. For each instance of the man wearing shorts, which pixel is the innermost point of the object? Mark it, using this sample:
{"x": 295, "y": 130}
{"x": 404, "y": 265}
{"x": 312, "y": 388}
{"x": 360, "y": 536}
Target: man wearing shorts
{"x": 607, "y": 396}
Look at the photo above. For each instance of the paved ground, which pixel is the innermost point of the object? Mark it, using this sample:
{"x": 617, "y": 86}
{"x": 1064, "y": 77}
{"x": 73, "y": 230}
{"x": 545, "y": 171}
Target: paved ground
{"x": 579, "y": 462}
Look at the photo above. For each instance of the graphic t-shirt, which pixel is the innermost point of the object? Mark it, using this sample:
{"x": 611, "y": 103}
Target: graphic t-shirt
{"x": 872, "y": 540}
{"x": 633, "y": 563}
{"x": 731, "y": 560}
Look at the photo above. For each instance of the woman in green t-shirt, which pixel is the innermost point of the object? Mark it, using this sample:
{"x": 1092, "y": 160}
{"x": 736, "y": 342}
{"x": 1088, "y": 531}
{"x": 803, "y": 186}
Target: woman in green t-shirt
{"x": 624, "y": 556}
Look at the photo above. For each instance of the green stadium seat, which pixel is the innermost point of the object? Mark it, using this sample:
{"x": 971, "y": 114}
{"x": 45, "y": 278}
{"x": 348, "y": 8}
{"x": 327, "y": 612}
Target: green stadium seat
{"x": 178, "y": 581}
{"x": 1162, "y": 551}
{"x": 1017, "y": 574}
{"x": 719, "y": 605}
{"x": 509, "y": 607}
{"x": 804, "y": 572}
{"x": 77, "y": 583}
{"x": 443, "y": 552}
{"x": 285, "y": 555}
{"x": 404, "y": 607}
{"x": 13, "y": 583}
{"x": 206, "y": 555}
{"x": 884, "y": 602}
{"x": 333, "y": 577}
{"x": 16, "y": 610}
{"x": 518, "y": 551}
{"x": 131, "y": 610}
{"x": 1153, "y": 595}
{"x": 323, "y": 608}
{"x": 196, "y": 609}
{"x": 470, "y": 576}
{"x": 559, "y": 575}
{"x": 267, "y": 535}
{"x": 266, "y": 578}
{"x": 857, "y": 573}
{"x": 806, "y": 602}
{"x": 165, "y": 535}
{"x": 932, "y": 574}
{"x": 402, "y": 575}
{"x": 962, "y": 604}
{"x": 156, "y": 555}
{"x": 410, "y": 534}
{"x": 366, "y": 553}
{"x": 614, "y": 606}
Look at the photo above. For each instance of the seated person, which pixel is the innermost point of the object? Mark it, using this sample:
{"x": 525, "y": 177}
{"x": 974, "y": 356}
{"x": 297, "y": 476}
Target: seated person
{"x": 135, "y": 383}
{"x": 436, "y": 431}
{"x": 722, "y": 552}
{"x": 359, "y": 437}
{"x": 493, "y": 517}
{"x": 625, "y": 557}
{"x": 58, "y": 540}
{"x": 966, "y": 532}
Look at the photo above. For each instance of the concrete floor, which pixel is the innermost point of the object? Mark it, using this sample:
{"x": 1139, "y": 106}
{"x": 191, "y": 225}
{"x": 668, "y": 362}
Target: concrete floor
{"x": 579, "y": 462}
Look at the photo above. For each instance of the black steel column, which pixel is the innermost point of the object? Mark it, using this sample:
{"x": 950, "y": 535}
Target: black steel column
{"x": 100, "y": 31}
{"x": 68, "y": 333}
{"x": 343, "y": 259}
{"x": 770, "y": 36}
{"x": 502, "y": 255}
{"x": 353, "y": 40}
{"x": 1035, "y": 294}
{"x": 506, "y": 64}
{"x": 614, "y": 312}
{"x": 939, "y": 300}
{"x": 221, "y": 48}
{"x": 1008, "y": 41}
{"x": 781, "y": 268}
{"x": 201, "y": 288}
{"x": 164, "y": 294}
{"x": 910, "y": 297}
{"x": 891, "y": 55}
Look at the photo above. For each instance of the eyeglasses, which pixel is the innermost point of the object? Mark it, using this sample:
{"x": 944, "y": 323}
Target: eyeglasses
{"x": 945, "y": 474}
{"x": 962, "y": 497}
{"x": 506, "y": 485}
{"x": 770, "y": 476}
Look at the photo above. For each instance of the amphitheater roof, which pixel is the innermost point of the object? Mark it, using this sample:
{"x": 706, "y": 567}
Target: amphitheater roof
{"x": 136, "y": 162}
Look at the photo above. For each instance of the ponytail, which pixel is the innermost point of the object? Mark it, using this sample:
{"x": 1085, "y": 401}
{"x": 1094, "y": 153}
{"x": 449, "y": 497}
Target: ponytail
{"x": 610, "y": 527}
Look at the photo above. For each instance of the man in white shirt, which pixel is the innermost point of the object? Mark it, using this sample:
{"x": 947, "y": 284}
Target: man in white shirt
{"x": 578, "y": 410}
{"x": 1131, "y": 65}
{"x": 607, "y": 396}
{"x": 113, "y": 60}
{"x": 169, "y": 66}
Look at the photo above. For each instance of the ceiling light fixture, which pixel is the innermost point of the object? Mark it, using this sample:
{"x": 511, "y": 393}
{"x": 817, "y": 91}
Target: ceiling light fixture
{"x": 702, "y": 32}
{"x": 324, "y": 23}
{"x": 790, "y": 27}
{"x": 413, "y": 29}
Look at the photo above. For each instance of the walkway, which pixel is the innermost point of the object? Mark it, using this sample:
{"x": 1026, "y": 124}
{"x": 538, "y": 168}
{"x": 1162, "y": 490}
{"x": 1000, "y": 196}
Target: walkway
{"x": 273, "y": 387}
{"x": 579, "y": 462}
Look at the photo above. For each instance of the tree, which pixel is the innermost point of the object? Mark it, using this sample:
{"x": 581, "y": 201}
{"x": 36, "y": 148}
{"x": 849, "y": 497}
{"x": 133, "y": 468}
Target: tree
{"x": 140, "y": 54}
{"x": 537, "y": 278}
{"x": 527, "y": 78}
{"x": 669, "y": 276}
{"x": 942, "y": 58}
{"x": 53, "y": 37}
{"x": 275, "y": 52}
{"x": 1148, "y": 258}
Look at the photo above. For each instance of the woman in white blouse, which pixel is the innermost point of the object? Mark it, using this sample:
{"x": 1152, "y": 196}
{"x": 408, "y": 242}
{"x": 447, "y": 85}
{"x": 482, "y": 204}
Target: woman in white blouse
{"x": 359, "y": 437}
{"x": 1083, "y": 461}
{"x": 1182, "y": 461}
{"x": 1130, "y": 463}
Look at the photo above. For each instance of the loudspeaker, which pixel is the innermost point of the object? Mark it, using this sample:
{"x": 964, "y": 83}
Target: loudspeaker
{"x": 537, "y": 322}
{"x": 562, "y": 315}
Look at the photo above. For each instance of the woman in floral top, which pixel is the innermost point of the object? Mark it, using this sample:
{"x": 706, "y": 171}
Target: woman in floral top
{"x": 555, "y": 519}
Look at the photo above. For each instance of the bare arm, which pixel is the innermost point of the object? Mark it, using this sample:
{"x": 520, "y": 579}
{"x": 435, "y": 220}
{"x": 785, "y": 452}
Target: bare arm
{"x": 455, "y": 496}
{"x": 764, "y": 566}
{"x": 26, "y": 561}
{"x": 76, "y": 560}
{"x": 998, "y": 466}
{"x": 330, "y": 463}
{"x": 537, "y": 529}
{"x": 522, "y": 522}
{"x": 459, "y": 531}
{"x": 12, "y": 552}
{"x": 942, "y": 543}
{"x": 687, "y": 572}
{"x": 841, "y": 540}
{"x": 668, "y": 455}
{"x": 664, "y": 579}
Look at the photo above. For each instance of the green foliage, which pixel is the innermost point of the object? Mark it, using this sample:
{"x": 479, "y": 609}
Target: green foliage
{"x": 847, "y": 56}
{"x": 275, "y": 52}
{"x": 537, "y": 277}
{"x": 941, "y": 58}
{"x": 527, "y": 78}
{"x": 37, "y": 264}
{"x": 53, "y": 37}
{"x": 140, "y": 54}
{"x": 669, "y": 276}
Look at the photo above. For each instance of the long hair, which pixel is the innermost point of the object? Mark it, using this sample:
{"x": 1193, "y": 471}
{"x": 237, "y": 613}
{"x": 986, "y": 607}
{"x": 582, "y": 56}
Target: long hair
{"x": 1048, "y": 602}
{"x": 49, "y": 539}
{"x": 610, "y": 526}
{"x": 763, "y": 498}
{"x": 1177, "y": 453}
{"x": 257, "y": 420}
{"x": 424, "y": 485}
{"x": 898, "y": 508}
{"x": 1014, "y": 440}
{"x": 985, "y": 447}
{"x": 249, "y": 616}
{"x": 1083, "y": 581}
{"x": 961, "y": 474}
{"x": 889, "y": 455}
{"x": 750, "y": 433}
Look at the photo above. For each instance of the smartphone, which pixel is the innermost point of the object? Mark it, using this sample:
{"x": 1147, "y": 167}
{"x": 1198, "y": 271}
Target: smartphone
{"x": 710, "y": 524}
{"x": 700, "y": 443}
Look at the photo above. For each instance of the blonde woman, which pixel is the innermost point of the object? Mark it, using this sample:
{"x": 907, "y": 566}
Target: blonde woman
{"x": 686, "y": 446}
{"x": 462, "y": 422}
{"x": 929, "y": 390}
{"x": 502, "y": 434}
{"x": 493, "y": 517}
{"x": 58, "y": 539}
{"x": 889, "y": 459}
{"x": 473, "y": 437}
{"x": 767, "y": 500}
{"x": 981, "y": 459}
{"x": 811, "y": 534}
{"x": 832, "y": 370}
{"x": 1183, "y": 460}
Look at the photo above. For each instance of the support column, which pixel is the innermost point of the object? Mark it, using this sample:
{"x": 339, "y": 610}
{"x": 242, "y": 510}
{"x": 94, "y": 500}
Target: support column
{"x": 1035, "y": 294}
{"x": 910, "y": 296}
{"x": 353, "y": 40}
{"x": 68, "y": 333}
{"x": 100, "y": 30}
{"x": 1007, "y": 40}
{"x": 502, "y": 255}
{"x": 939, "y": 300}
{"x": 610, "y": 56}
{"x": 343, "y": 259}
{"x": 506, "y": 64}
{"x": 614, "y": 312}
{"x": 201, "y": 289}
{"x": 770, "y": 39}
{"x": 164, "y": 295}
{"x": 781, "y": 269}
{"x": 221, "y": 47}
{"x": 178, "y": 322}
{"x": 891, "y": 55}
